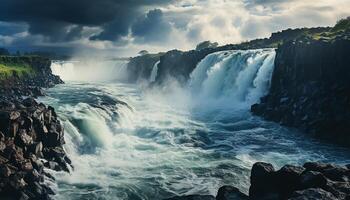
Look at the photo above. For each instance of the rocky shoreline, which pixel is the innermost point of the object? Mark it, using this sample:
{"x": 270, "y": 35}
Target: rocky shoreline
{"x": 31, "y": 136}
{"x": 310, "y": 88}
{"x": 312, "y": 181}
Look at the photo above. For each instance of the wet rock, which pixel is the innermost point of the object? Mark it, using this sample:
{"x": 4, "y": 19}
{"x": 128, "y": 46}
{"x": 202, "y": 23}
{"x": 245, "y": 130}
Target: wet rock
{"x": 312, "y": 179}
{"x": 14, "y": 115}
{"x": 316, "y": 166}
{"x": 29, "y": 102}
{"x": 288, "y": 179}
{"x": 193, "y": 197}
{"x": 23, "y": 137}
{"x": 310, "y": 88}
{"x": 312, "y": 194}
{"x": 5, "y": 171}
{"x": 230, "y": 193}
{"x": 263, "y": 183}
{"x": 36, "y": 149}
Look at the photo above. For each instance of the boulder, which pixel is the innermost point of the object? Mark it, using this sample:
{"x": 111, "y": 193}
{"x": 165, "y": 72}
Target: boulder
{"x": 230, "y": 193}
{"x": 193, "y": 197}
{"x": 263, "y": 183}
{"x": 312, "y": 179}
{"x": 288, "y": 179}
{"x": 312, "y": 194}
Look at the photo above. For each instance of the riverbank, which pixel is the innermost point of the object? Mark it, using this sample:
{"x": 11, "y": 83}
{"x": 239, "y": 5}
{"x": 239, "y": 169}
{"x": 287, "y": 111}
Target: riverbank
{"x": 31, "y": 136}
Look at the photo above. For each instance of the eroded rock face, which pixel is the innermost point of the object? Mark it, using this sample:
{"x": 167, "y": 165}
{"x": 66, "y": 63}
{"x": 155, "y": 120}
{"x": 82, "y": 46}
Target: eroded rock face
{"x": 310, "y": 88}
{"x": 23, "y": 143}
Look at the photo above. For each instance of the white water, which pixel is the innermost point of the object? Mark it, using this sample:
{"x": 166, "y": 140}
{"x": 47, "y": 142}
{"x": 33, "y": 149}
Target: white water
{"x": 233, "y": 76}
{"x": 172, "y": 140}
{"x": 154, "y": 72}
{"x": 96, "y": 70}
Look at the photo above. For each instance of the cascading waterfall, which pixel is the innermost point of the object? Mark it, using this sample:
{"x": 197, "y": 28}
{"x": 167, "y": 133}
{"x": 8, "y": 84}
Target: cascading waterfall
{"x": 107, "y": 70}
{"x": 233, "y": 76}
{"x": 129, "y": 143}
{"x": 154, "y": 72}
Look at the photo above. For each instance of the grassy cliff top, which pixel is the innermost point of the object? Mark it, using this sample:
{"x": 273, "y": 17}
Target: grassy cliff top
{"x": 16, "y": 66}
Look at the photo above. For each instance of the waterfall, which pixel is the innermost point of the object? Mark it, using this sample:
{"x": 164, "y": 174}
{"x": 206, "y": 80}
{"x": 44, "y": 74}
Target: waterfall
{"x": 240, "y": 76}
{"x": 154, "y": 72}
{"x": 107, "y": 70}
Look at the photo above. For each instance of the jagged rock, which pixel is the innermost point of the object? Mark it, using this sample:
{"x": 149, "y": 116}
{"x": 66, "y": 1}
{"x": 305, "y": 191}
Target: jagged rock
{"x": 23, "y": 139}
{"x": 52, "y": 165}
{"x": 312, "y": 179}
{"x": 23, "y": 136}
{"x": 316, "y": 166}
{"x": 36, "y": 149}
{"x": 29, "y": 102}
{"x": 312, "y": 194}
{"x": 310, "y": 88}
{"x": 14, "y": 115}
{"x": 230, "y": 193}
{"x": 23, "y": 196}
{"x": 288, "y": 179}
{"x": 282, "y": 184}
{"x": 5, "y": 171}
{"x": 193, "y": 197}
{"x": 263, "y": 183}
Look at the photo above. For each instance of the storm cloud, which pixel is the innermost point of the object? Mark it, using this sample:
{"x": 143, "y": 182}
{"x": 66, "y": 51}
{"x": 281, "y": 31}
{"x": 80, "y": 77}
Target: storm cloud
{"x": 54, "y": 18}
{"x": 156, "y": 25}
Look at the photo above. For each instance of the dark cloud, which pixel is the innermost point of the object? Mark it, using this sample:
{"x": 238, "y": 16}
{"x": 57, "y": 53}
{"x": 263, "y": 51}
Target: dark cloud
{"x": 53, "y": 18}
{"x": 151, "y": 27}
{"x": 8, "y": 29}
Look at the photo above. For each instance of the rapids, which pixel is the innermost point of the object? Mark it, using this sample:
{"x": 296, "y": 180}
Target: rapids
{"x": 128, "y": 142}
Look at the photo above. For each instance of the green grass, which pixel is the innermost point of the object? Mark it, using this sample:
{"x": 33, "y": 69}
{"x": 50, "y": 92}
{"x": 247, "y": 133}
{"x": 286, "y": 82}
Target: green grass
{"x": 9, "y": 69}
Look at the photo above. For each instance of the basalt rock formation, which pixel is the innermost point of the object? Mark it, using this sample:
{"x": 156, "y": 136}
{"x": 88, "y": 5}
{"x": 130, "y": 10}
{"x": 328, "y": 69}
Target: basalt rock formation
{"x": 310, "y": 87}
{"x": 312, "y": 181}
{"x": 139, "y": 68}
{"x": 178, "y": 64}
{"x": 31, "y": 136}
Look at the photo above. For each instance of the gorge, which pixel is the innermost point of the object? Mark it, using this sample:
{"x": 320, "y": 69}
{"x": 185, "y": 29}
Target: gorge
{"x": 185, "y": 125}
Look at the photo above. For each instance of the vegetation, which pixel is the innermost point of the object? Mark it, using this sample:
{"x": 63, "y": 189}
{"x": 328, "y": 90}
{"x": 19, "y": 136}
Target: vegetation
{"x": 9, "y": 68}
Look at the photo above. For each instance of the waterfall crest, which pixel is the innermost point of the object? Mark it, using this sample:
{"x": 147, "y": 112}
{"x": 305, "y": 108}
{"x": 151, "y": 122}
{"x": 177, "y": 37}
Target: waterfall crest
{"x": 241, "y": 76}
{"x": 107, "y": 70}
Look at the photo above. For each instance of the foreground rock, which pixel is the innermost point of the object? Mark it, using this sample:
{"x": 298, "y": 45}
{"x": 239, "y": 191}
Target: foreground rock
{"x": 29, "y": 133}
{"x": 312, "y": 181}
{"x": 31, "y": 136}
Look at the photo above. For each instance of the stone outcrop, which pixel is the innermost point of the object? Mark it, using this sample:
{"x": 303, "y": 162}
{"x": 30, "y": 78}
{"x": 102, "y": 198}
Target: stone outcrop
{"x": 29, "y": 132}
{"x": 28, "y": 84}
{"x": 310, "y": 88}
{"x": 308, "y": 182}
{"x": 179, "y": 64}
{"x": 139, "y": 68}
{"x": 31, "y": 136}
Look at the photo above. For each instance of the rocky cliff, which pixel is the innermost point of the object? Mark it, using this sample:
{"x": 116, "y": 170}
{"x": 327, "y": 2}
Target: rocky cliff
{"x": 24, "y": 75}
{"x": 31, "y": 136}
{"x": 179, "y": 64}
{"x": 310, "y": 87}
{"x": 140, "y": 67}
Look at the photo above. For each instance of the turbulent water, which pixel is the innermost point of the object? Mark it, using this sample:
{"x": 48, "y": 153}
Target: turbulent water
{"x": 128, "y": 142}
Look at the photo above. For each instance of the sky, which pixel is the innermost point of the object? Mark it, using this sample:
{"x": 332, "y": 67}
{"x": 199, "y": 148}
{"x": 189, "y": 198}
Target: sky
{"x": 124, "y": 27}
